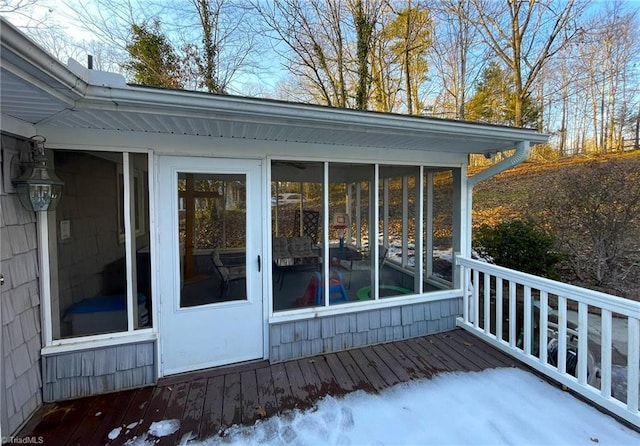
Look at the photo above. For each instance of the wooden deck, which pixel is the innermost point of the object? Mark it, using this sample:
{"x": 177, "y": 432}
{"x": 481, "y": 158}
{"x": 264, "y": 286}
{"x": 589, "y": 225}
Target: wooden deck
{"x": 207, "y": 402}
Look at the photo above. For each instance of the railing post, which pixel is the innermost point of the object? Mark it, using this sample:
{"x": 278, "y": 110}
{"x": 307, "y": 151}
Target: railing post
{"x": 512, "y": 314}
{"x": 583, "y": 342}
{"x": 487, "y": 303}
{"x": 544, "y": 326}
{"x": 528, "y": 318}
{"x": 476, "y": 298}
{"x": 499, "y": 317}
{"x": 562, "y": 335}
{"x": 633, "y": 363}
{"x": 605, "y": 354}
{"x": 466, "y": 284}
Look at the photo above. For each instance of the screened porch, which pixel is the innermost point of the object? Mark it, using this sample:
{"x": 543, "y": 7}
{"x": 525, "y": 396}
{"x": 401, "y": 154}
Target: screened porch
{"x": 357, "y": 229}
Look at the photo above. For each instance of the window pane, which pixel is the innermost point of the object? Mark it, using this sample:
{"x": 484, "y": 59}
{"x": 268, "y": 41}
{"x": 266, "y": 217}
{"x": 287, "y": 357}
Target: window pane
{"x": 350, "y": 195}
{"x": 91, "y": 267}
{"x": 140, "y": 194}
{"x": 397, "y": 223}
{"x": 438, "y": 235}
{"x": 297, "y": 233}
{"x": 212, "y": 233}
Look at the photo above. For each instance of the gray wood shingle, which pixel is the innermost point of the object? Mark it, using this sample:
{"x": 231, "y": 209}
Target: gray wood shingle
{"x": 20, "y": 360}
{"x": 125, "y": 357}
{"x": 18, "y": 239}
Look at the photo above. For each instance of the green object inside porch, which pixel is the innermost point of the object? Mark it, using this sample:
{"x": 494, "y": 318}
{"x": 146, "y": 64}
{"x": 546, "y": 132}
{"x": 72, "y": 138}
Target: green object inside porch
{"x": 364, "y": 293}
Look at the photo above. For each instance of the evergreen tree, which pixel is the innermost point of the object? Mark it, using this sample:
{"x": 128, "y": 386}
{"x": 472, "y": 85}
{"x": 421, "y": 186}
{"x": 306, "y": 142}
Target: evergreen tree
{"x": 153, "y": 61}
{"x": 495, "y": 98}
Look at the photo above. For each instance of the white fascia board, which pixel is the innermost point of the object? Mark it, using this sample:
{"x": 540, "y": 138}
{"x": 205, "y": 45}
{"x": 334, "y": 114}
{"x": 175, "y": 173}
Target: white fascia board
{"x": 17, "y": 126}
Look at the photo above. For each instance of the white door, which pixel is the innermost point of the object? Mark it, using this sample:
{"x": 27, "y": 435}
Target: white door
{"x": 210, "y": 217}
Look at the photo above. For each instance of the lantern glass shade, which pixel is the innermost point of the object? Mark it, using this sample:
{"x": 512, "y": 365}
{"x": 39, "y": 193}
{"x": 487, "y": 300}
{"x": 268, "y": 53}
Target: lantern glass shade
{"x": 39, "y": 189}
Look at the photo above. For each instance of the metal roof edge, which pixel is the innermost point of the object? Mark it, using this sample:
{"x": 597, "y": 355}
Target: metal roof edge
{"x": 27, "y": 54}
{"x": 196, "y": 104}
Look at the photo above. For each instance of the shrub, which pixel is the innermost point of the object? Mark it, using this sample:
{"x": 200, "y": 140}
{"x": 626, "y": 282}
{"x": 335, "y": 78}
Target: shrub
{"x": 594, "y": 211}
{"x": 518, "y": 245}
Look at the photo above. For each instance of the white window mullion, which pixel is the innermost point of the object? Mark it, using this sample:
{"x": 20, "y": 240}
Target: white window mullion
{"x": 127, "y": 179}
{"x": 373, "y": 240}
{"x": 418, "y": 248}
{"x": 325, "y": 230}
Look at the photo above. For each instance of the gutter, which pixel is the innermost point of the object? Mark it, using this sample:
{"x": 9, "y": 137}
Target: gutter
{"x": 521, "y": 153}
{"x": 26, "y": 52}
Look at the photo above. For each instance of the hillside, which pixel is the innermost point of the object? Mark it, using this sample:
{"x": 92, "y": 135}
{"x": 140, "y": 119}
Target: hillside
{"x": 517, "y": 193}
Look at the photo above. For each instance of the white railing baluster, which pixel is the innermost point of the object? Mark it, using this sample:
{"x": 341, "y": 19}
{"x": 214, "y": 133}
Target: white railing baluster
{"x": 476, "y": 298}
{"x": 562, "y": 334}
{"x": 487, "y": 303}
{"x": 605, "y": 354}
{"x": 544, "y": 326}
{"x": 633, "y": 363}
{"x": 606, "y": 305}
{"x": 512, "y": 314}
{"x": 528, "y": 318}
{"x": 466, "y": 284}
{"x": 583, "y": 342}
{"x": 499, "y": 316}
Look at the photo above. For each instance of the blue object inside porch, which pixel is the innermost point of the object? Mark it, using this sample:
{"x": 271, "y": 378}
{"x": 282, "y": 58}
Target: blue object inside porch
{"x": 337, "y": 292}
{"x": 102, "y": 304}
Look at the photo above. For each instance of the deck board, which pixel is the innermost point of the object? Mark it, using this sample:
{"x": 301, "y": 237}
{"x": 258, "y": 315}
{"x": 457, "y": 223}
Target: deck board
{"x": 249, "y": 392}
{"x": 298, "y": 385}
{"x": 208, "y": 402}
{"x": 266, "y": 395}
{"x": 389, "y": 377}
{"x": 212, "y": 409}
{"x": 311, "y": 378}
{"x": 396, "y": 364}
{"x": 193, "y": 409}
{"x": 113, "y": 418}
{"x": 356, "y": 374}
{"x": 232, "y": 402}
{"x": 368, "y": 372}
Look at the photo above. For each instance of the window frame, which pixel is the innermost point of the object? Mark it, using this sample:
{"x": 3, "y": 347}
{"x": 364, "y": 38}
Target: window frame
{"x": 459, "y": 173}
{"x": 47, "y": 259}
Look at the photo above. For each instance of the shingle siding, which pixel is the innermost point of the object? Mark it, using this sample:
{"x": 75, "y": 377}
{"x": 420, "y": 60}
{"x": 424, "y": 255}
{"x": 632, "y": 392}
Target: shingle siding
{"x": 345, "y": 331}
{"x": 100, "y": 370}
{"x": 20, "y": 300}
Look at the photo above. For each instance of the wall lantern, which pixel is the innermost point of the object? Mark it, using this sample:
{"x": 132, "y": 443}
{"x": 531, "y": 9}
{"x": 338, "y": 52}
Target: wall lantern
{"x": 38, "y": 187}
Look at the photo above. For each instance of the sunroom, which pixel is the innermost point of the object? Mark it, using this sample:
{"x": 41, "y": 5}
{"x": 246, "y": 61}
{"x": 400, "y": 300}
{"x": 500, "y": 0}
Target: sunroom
{"x": 199, "y": 230}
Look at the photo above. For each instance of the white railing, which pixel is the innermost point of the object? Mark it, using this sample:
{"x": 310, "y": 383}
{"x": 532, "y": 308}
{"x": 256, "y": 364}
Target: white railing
{"x": 573, "y": 335}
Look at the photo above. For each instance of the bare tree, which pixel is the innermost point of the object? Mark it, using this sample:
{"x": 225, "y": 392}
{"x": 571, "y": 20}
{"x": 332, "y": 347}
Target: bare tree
{"x": 409, "y": 34}
{"x": 609, "y": 51}
{"x": 456, "y": 54}
{"x": 365, "y": 18}
{"x": 525, "y": 35}
{"x": 309, "y": 37}
{"x": 211, "y": 36}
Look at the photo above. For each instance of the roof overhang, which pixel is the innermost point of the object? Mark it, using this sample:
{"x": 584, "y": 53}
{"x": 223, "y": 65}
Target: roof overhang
{"x": 38, "y": 90}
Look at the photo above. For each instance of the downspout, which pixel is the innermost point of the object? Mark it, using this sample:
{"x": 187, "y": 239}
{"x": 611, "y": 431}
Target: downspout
{"x": 521, "y": 153}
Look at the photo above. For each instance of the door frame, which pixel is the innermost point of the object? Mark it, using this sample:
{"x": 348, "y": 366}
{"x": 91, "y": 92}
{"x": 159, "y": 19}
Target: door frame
{"x": 260, "y": 247}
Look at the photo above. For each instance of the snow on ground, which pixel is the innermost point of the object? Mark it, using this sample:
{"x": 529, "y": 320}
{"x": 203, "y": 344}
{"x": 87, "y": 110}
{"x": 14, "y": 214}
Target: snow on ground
{"x": 493, "y": 407}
